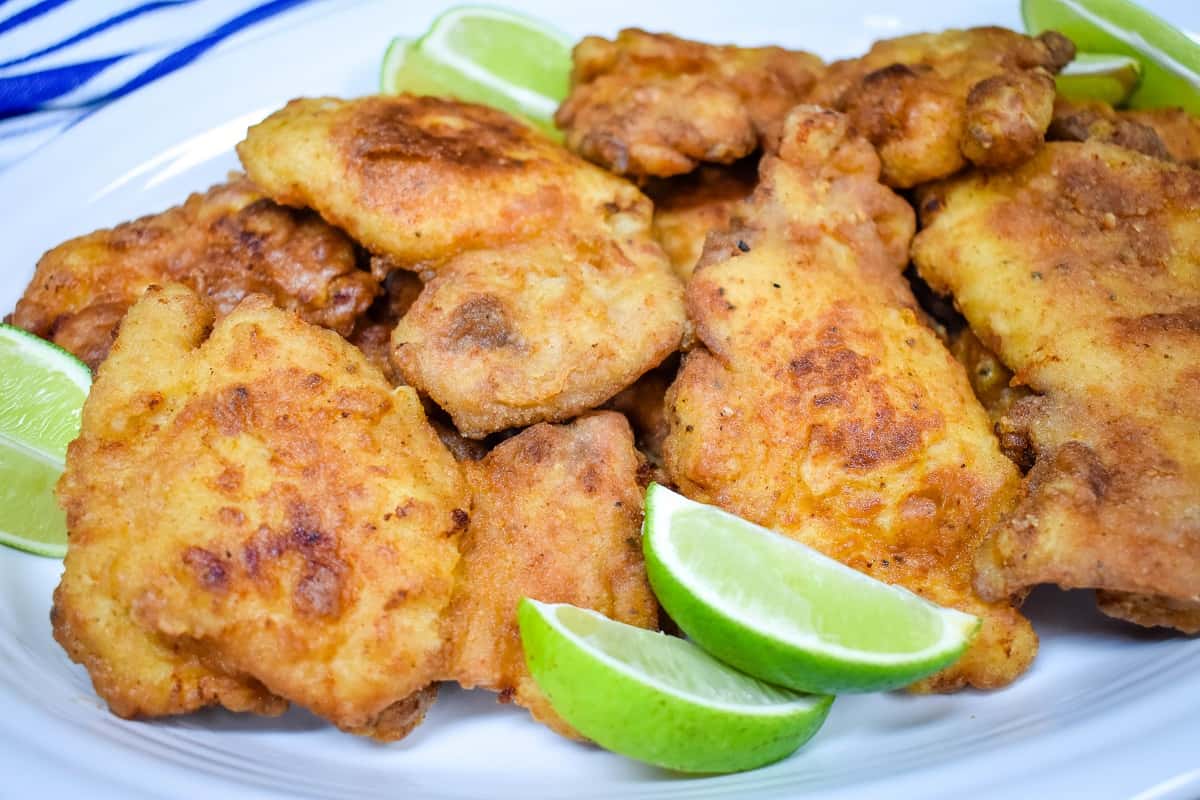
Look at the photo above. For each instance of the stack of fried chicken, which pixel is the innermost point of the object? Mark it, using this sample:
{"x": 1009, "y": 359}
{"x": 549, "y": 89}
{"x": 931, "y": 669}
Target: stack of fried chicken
{"x": 420, "y": 361}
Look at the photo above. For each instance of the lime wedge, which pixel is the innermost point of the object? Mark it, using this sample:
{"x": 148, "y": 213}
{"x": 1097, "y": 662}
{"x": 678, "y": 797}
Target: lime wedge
{"x": 485, "y": 55}
{"x": 1100, "y": 76}
{"x": 42, "y": 389}
{"x": 781, "y": 611}
{"x": 1170, "y": 59}
{"x": 660, "y": 699}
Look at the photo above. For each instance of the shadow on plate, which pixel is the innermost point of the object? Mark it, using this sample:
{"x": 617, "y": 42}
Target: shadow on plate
{"x": 1059, "y": 613}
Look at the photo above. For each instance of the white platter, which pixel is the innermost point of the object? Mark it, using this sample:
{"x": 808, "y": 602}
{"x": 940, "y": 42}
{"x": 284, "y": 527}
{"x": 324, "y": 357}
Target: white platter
{"x": 1107, "y": 711}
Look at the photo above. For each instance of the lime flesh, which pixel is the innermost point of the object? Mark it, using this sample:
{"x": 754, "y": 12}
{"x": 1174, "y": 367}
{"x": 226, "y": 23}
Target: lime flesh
{"x": 1100, "y": 76}
{"x": 781, "y": 611}
{"x": 485, "y": 55}
{"x": 660, "y": 699}
{"x": 42, "y": 389}
{"x": 1170, "y": 59}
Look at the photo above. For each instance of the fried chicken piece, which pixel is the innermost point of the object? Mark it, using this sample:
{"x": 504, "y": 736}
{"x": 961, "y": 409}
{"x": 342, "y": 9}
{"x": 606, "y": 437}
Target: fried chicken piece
{"x": 557, "y": 517}
{"x": 991, "y": 380}
{"x": 822, "y": 407}
{"x": 254, "y": 516}
{"x": 226, "y": 243}
{"x": 1081, "y": 271}
{"x": 932, "y": 102}
{"x": 1178, "y": 130}
{"x": 688, "y": 207}
{"x": 545, "y": 292}
{"x": 652, "y": 104}
{"x": 1096, "y": 121}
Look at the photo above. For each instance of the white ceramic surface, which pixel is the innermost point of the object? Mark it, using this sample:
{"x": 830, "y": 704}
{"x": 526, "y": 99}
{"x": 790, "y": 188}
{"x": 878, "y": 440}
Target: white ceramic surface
{"x": 1106, "y": 712}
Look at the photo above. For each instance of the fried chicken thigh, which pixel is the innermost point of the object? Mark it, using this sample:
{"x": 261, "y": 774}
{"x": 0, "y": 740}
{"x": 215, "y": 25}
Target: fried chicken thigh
{"x": 932, "y": 102}
{"x": 652, "y": 104}
{"x": 557, "y": 517}
{"x": 688, "y": 207}
{"x": 545, "y": 292}
{"x": 1096, "y": 121}
{"x": 1081, "y": 271}
{"x": 255, "y": 516}
{"x": 822, "y": 407}
{"x": 225, "y": 243}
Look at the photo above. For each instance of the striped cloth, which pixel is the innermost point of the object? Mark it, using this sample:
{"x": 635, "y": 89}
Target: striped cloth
{"x": 62, "y": 59}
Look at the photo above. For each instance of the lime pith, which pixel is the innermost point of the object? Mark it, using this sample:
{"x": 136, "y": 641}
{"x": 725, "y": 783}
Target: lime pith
{"x": 485, "y": 55}
{"x": 1170, "y": 59}
{"x": 42, "y": 389}
{"x": 785, "y": 613}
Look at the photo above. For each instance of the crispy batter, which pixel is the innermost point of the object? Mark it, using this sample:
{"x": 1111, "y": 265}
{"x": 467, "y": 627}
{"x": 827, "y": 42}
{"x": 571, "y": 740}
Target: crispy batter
{"x": 650, "y": 104}
{"x": 546, "y": 292}
{"x": 931, "y": 102}
{"x": 557, "y": 517}
{"x": 1178, "y": 130}
{"x": 1097, "y": 121}
{"x": 225, "y": 243}
{"x": 688, "y": 207}
{"x": 255, "y": 512}
{"x": 823, "y": 408}
{"x": 1081, "y": 270}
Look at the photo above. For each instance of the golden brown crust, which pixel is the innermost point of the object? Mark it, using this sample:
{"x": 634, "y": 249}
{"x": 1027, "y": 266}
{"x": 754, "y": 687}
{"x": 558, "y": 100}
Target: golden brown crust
{"x": 225, "y": 243}
{"x": 649, "y": 104}
{"x": 255, "y": 510}
{"x": 504, "y": 338}
{"x": 990, "y": 379}
{"x": 1096, "y": 121}
{"x": 822, "y": 407}
{"x": 1151, "y": 611}
{"x": 1080, "y": 271}
{"x": 1178, "y": 130}
{"x": 931, "y": 102}
{"x": 557, "y": 517}
{"x": 545, "y": 292}
{"x": 687, "y": 208}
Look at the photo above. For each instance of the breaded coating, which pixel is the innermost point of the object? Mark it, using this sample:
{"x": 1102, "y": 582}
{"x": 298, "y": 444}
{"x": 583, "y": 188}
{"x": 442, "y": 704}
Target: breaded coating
{"x": 557, "y": 517}
{"x": 1081, "y": 271}
{"x": 932, "y": 102}
{"x": 822, "y": 407}
{"x": 1178, "y": 130}
{"x": 991, "y": 380}
{"x": 688, "y": 207}
{"x": 225, "y": 243}
{"x": 652, "y": 104}
{"x": 1096, "y": 121}
{"x": 255, "y": 516}
{"x": 545, "y": 291}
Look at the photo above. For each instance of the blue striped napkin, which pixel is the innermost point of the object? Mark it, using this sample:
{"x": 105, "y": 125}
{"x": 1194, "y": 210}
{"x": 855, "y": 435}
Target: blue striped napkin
{"x": 62, "y": 59}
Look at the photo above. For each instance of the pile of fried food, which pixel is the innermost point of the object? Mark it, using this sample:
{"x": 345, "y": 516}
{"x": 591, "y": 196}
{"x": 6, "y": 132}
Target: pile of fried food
{"x": 420, "y": 361}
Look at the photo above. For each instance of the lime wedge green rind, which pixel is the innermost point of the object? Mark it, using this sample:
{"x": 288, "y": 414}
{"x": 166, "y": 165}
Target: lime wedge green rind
{"x": 781, "y": 611}
{"x": 488, "y": 55}
{"x": 1105, "y": 77}
{"x": 1170, "y": 59}
{"x": 42, "y": 389}
{"x": 659, "y": 699}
